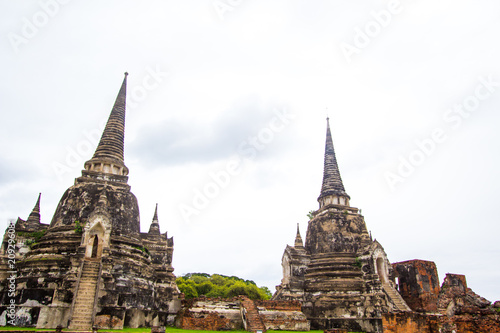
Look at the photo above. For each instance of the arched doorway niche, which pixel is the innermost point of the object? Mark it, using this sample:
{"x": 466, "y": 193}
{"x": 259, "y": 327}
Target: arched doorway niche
{"x": 95, "y": 241}
{"x": 382, "y": 269}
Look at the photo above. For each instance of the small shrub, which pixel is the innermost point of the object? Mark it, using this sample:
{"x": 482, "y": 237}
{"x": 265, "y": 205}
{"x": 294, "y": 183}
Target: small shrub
{"x": 37, "y": 235}
{"x": 143, "y": 249}
{"x": 357, "y": 263}
{"x": 79, "y": 227}
{"x": 29, "y": 242}
{"x": 33, "y": 237}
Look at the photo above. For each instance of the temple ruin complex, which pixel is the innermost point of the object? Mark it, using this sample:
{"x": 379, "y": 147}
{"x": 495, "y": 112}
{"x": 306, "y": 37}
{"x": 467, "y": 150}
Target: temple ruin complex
{"x": 92, "y": 266}
{"x": 344, "y": 280}
{"x": 340, "y": 275}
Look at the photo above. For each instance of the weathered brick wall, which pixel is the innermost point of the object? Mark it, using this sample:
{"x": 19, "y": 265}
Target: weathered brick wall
{"x": 224, "y": 314}
{"x": 279, "y": 305}
{"x": 208, "y": 321}
{"x": 455, "y": 284}
{"x": 285, "y": 320}
{"x": 470, "y": 324}
{"x": 463, "y": 310}
{"x": 409, "y": 322}
{"x": 212, "y": 314}
{"x": 283, "y": 315}
{"x": 456, "y": 299}
{"x": 418, "y": 284}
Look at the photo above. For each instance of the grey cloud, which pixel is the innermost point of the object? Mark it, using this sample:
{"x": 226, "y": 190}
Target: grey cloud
{"x": 177, "y": 141}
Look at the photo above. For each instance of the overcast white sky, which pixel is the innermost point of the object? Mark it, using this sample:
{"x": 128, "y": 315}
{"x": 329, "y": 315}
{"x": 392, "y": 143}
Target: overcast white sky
{"x": 213, "y": 82}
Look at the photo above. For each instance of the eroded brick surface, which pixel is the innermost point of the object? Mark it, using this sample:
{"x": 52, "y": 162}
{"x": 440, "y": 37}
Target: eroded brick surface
{"x": 409, "y": 322}
{"x": 418, "y": 284}
{"x": 282, "y": 315}
{"x": 210, "y": 314}
{"x": 224, "y": 314}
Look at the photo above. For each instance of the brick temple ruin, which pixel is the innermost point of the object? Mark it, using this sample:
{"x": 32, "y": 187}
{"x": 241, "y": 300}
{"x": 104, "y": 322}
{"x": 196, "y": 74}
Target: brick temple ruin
{"x": 92, "y": 266}
{"x": 451, "y": 307}
{"x": 344, "y": 280}
{"x": 341, "y": 276}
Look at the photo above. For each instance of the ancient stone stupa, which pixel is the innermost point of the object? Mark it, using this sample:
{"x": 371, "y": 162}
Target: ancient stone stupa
{"x": 341, "y": 276}
{"x": 92, "y": 266}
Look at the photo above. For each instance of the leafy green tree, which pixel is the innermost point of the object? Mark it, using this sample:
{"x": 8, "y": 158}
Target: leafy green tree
{"x": 188, "y": 290}
{"x": 267, "y": 294}
{"x": 217, "y": 285}
{"x": 199, "y": 279}
{"x": 217, "y": 291}
{"x": 236, "y": 289}
{"x": 250, "y": 282}
{"x": 252, "y": 291}
{"x": 217, "y": 280}
{"x": 204, "y": 288}
{"x": 229, "y": 283}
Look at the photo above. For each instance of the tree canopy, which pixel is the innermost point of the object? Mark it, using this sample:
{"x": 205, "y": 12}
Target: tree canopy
{"x": 216, "y": 285}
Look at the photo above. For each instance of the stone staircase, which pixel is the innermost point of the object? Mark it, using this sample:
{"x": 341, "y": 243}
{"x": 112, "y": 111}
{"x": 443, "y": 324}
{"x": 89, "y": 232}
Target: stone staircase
{"x": 396, "y": 298}
{"x": 84, "y": 303}
{"x": 253, "y": 321}
{"x": 334, "y": 272}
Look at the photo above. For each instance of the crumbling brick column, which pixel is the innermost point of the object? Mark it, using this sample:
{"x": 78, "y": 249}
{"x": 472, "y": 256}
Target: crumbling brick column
{"x": 418, "y": 284}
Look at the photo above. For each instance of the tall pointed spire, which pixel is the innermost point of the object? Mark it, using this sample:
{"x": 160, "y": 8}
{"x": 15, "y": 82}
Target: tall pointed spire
{"x": 111, "y": 144}
{"x": 34, "y": 217}
{"x": 155, "y": 226}
{"x": 33, "y": 222}
{"x": 108, "y": 157}
{"x": 332, "y": 186}
{"x": 298, "y": 239}
{"x": 155, "y": 216}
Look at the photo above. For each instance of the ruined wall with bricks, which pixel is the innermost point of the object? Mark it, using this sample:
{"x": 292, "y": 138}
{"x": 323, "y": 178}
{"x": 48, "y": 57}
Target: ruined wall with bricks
{"x": 470, "y": 324}
{"x": 225, "y": 314}
{"x": 409, "y": 322}
{"x": 282, "y": 315}
{"x": 463, "y": 310}
{"x": 412, "y": 322}
{"x": 212, "y": 314}
{"x": 458, "y": 308}
{"x": 418, "y": 284}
